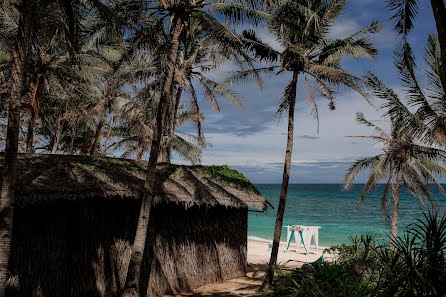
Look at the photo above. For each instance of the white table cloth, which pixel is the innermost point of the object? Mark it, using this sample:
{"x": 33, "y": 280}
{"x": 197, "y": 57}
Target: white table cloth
{"x": 308, "y": 233}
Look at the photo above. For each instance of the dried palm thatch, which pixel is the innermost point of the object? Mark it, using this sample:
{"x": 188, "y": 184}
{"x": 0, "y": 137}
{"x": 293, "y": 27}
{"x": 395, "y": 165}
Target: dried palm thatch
{"x": 81, "y": 248}
{"x": 55, "y": 177}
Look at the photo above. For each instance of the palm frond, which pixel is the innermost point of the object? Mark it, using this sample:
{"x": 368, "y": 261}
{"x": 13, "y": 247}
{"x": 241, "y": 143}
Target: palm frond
{"x": 362, "y": 120}
{"x": 405, "y": 12}
{"x": 239, "y": 14}
{"x": 260, "y": 50}
{"x": 289, "y": 96}
{"x": 378, "y": 172}
{"x": 436, "y": 79}
{"x": 428, "y": 169}
{"x": 186, "y": 150}
{"x": 358, "y": 167}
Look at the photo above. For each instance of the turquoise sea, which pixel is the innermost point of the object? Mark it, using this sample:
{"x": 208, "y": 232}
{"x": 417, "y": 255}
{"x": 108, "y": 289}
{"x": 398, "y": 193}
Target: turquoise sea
{"x": 328, "y": 206}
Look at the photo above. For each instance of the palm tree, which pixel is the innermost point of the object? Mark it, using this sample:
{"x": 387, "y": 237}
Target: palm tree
{"x": 186, "y": 145}
{"x": 125, "y": 71}
{"x": 303, "y": 28}
{"x": 403, "y": 163}
{"x": 50, "y": 49}
{"x": 180, "y": 14}
{"x": 405, "y": 12}
{"x": 200, "y": 56}
{"x": 62, "y": 93}
{"x": 39, "y": 22}
{"x": 133, "y": 128}
{"x": 19, "y": 58}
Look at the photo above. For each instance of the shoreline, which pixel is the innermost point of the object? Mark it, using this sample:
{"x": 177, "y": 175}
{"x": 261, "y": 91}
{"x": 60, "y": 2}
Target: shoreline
{"x": 260, "y": 239}
{"x": 258, "y": 254}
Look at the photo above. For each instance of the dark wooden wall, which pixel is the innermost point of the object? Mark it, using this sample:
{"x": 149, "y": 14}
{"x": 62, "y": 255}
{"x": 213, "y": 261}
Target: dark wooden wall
{"x": 81, "y": 249}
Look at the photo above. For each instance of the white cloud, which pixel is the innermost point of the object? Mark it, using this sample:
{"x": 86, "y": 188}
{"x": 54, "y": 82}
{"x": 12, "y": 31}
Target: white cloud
{"x": 344, "y": 27}
{"x": 267, "y": 147}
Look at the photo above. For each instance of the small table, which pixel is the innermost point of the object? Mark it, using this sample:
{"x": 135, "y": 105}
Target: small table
{"x": 304, "y": 236}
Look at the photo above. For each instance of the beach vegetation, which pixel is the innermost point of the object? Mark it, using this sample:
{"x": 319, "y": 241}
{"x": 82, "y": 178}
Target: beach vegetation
{"x": 414, "y": 265}
{"x": 326, "y": 279}
{"x": 359, "y": 249}
{"x": 228, "y": 176}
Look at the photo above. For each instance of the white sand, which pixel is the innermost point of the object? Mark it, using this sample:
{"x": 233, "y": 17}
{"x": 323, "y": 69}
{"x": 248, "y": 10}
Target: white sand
{"x": 258, "y": 254}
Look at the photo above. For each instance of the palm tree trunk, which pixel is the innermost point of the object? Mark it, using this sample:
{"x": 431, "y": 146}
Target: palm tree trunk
{"x": 267, "y": 282}
{"x": 140, "y": 152}
{"x": 73, "y": 135}
{"x": 131, "y": 287}
{"x": 57, "y": 136}
{"x": 173, "y": 124}
{"x": 395, "y": 209}
{"x": 107, "y": 139}
{"x": 10, "y": 168}
{"x": 97, "y": 134}
{"x": 439, "y": 10}
{"x": 30, "y": 133}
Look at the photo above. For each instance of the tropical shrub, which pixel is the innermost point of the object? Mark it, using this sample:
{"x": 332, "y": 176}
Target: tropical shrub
{"x": 417, "y": 266}
{"x": 360, "y": 249}
{"x": 414, "y": 266}
{"x": 326, "y": 279}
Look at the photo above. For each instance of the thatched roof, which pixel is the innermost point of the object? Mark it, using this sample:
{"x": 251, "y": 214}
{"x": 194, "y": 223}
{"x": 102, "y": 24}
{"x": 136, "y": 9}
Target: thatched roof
{"x": 55, "y": 177}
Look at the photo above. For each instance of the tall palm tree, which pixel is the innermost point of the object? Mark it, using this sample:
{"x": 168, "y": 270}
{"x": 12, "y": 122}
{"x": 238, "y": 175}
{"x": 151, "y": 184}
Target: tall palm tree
{"x": 39, "y": 21}
{"x": 19, "y": 58}
{"x": 303, "y": 27}
{"x": 404, "y": 162}
{"x": 178, "y": 15}
{"x": 405, "y": 12}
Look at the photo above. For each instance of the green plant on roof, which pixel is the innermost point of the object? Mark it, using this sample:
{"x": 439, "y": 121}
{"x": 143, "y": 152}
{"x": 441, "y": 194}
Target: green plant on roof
{"x": 230, "y": 177}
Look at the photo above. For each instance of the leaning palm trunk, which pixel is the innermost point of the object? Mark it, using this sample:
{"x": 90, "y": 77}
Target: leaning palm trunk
{"x": 10, "y": 169}
{"x": 395, "y": 209}
{"x": 439, "y": 10}
{"x": 30, "y": 133}
{"x": 97, "y": 134}
{"x": 131, "y": 288}
{"x": 267, "y": 282}
{"x": 73, "y": 136}
{"x": 173, "y": 124}
{"x": 140, "y": 151}
{"x": 57, "y": 136}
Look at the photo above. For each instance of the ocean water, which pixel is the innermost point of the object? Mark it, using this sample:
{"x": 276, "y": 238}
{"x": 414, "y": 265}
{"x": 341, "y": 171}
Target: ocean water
{"x": 328, "y": 206}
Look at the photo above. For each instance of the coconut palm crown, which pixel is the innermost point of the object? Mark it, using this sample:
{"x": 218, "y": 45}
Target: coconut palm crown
{"x": 425, "y": 113}
{"x": 403, "y": 163}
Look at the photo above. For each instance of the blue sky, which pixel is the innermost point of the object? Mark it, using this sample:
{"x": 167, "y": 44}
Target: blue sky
{"x": 253, "y": 140}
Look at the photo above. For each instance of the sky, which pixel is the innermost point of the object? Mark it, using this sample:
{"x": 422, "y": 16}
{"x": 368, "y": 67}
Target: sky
{"x": 253, "y": 139}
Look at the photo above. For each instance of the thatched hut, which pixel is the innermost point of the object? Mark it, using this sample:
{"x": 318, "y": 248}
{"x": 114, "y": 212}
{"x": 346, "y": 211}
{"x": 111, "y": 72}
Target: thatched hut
{"x": 75, "y": 218}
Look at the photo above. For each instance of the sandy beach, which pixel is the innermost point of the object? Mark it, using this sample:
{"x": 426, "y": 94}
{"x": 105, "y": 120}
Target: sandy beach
{"x": 258, "y": 254}
{"x": 258, "y": 257}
